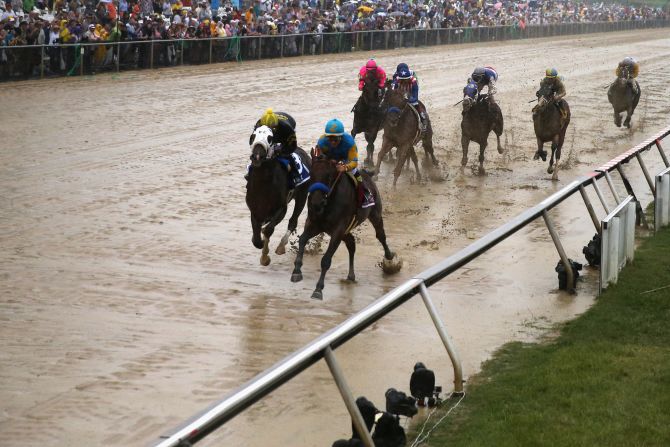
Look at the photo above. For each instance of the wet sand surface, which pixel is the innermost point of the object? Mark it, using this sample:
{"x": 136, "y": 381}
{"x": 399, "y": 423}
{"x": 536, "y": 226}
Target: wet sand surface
{"x": 131, "y": 296}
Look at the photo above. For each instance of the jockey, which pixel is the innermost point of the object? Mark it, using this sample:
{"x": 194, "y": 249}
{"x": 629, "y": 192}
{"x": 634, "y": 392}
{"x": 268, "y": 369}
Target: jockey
{"x": 633, "y": 70}
{"x": 552, "y": 82}
{"x": 406, "y": 80}
{"x": 340, "y": 146}
{"x": 485, "y": 76}
{"x": 378, "y": 72}
{"x": 285, "y": 141}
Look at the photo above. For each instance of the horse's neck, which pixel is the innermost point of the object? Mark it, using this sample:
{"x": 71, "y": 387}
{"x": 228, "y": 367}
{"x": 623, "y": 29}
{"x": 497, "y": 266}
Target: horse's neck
{"x": 263, "y": 175}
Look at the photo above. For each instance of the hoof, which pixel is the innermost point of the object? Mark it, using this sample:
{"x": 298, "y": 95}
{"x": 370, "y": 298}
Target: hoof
{"x": 543, "y": 155}
{"x": 482, "y": 171}
{"x": 464, "y": 161}
{"x": 281, "y": 249}
{"x": 550, "y": 169}
{"x": 296, "y": 277}
{"x": 501, "y": 149}
{"x": 351, "y": 278}
{"x": 317, "y": 295}
{"x": 393, "y": 265}
{"x": 265, "y": 261}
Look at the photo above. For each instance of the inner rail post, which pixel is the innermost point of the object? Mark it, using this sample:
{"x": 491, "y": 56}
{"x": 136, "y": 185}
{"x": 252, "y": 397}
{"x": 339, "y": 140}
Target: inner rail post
{"x": 629, "y": 188}
{"x": 442, "y": 331}
{"x": 600, "y": 196}
{"x": 608, "y": 177}
{"x": 660, "y": 149}
{"x": 646, "y": 173}
{"x": 592, "y": 213}
{"x": 348, "y": 398}
{"x": 561, "y": 251}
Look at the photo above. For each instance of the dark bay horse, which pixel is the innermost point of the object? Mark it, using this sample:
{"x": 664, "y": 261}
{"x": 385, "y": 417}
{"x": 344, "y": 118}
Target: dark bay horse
{"x": 268, "y": 193}
{"x": 401, "y": 130}
{"x": 623, "y": 98}
{"x": 368, "y": 115}
{"x": 550, "y": 125}
{"x": 480, "y": 118}
{"x": 333, "y": 208}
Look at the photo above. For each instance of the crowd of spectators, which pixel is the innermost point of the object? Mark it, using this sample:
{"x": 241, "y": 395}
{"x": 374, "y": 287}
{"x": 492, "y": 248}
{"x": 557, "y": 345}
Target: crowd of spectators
{"x": 28, "y": 22}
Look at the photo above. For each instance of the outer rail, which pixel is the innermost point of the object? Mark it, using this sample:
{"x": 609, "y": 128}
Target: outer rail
{"x": 322, "y": 348}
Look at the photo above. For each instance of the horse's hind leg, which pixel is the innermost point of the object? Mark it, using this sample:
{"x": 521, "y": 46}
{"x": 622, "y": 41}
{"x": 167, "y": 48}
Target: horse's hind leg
{"x": 400, "y": 162}
{"x": 325, "y": 265}
{"x": 498, "y": 129}
{"x": 350, "y": 242}
{"x": 386, "y": 147}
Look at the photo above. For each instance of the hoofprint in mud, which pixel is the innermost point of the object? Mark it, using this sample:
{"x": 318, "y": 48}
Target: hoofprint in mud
{"x": 132, "y": 297}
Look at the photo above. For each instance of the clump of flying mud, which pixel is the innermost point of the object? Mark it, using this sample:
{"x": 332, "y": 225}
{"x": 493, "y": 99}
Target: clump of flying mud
{"x": 570, "y": 160}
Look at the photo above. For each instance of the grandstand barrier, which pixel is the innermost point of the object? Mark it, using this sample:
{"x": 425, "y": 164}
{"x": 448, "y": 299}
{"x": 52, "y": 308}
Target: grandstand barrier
{"x": 82, "y": 59}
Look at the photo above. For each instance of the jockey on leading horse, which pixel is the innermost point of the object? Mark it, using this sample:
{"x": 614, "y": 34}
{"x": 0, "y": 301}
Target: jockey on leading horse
{"x": 284, "y": 141}
{"x": 484, "y": 76}
{"x": 552, "y": 83}
{"x": 371, "y": 68}
{"x": 632, "y": 69}
{"x": 335, "y": 144}
{"x": 405, "y": 80}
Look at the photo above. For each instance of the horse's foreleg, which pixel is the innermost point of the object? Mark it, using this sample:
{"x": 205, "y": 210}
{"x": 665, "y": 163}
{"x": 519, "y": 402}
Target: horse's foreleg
{"x": 427, "y": 143}
{"x": 482, "y": 148}
{"x": 298, "y": 206}
{"x": 267, "y": 233}
{"x": 335, "y": 240}
{"x": 308, "y": 233}
{"x": 386, "y": 147}
{"x": 465, "y": 144}
{"x": 541, "y": 153}
{"x": 500, "y": 148}
{"x": 415, "y": 160}
{"x": 256, "y": 233}
{"x": 370, "y": 148}
{"x": 350, "y": 242}
{"x": 400, "y": 162}
{"x": 629, "y": 115}
{"x": 617, "y": 118}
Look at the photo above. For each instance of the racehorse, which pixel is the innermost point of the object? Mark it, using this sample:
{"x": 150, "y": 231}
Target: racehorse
{"x": 333, "y": 208}
{"x": 480, "y": 118}
{"x": 368, "y": 114}
{"x": 402, "y": 130}
{"x": 550, "y": 125}
{"x": 268, "y": 193}
{"x": 623, "y": 98}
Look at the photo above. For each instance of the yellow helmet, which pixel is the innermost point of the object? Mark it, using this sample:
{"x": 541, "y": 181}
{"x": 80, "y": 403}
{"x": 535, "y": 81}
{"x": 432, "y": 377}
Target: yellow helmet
{"x": 269, "y": 119}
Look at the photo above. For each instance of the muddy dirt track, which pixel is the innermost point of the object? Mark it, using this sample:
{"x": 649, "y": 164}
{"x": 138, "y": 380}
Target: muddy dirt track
{"x": 131, "y": 296}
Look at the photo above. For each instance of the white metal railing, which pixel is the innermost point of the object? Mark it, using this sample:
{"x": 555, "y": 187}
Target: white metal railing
{"x": 617, "y": 243}
{"x": 662, "y": 199}
{"x": 323, "y": 347}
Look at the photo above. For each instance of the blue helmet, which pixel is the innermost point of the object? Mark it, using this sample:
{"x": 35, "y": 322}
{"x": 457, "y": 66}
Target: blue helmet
{"x": 403, "y": 71}
{"x": 334, "y": 127}
{"x": 551, "y": 72}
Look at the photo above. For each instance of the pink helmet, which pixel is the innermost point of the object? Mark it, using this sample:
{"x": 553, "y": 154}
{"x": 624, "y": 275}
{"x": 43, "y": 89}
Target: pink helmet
{"x": 371, "y": 65}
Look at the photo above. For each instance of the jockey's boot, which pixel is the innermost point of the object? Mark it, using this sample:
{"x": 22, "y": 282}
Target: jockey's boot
{"x": 423, "y": 122}
{"x": 365, "y": 197}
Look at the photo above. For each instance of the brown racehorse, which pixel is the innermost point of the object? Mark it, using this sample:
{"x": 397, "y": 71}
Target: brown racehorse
{"x": 480, "y": 118}
{"x": 623, "y": 98}
{"x": 268, "y": 193}
{"x": 401, "y": 130}
{"x": 369, "y": 115}
{"x": 332, "y": 208}
{"x": 550, "y": 125}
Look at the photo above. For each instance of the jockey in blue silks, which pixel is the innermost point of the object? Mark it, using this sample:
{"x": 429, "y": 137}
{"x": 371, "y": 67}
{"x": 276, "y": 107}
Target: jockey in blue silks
{"x": 406, "y": 81}
{"x": 484, "y": 76}
{"x": 336, "y": 144}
